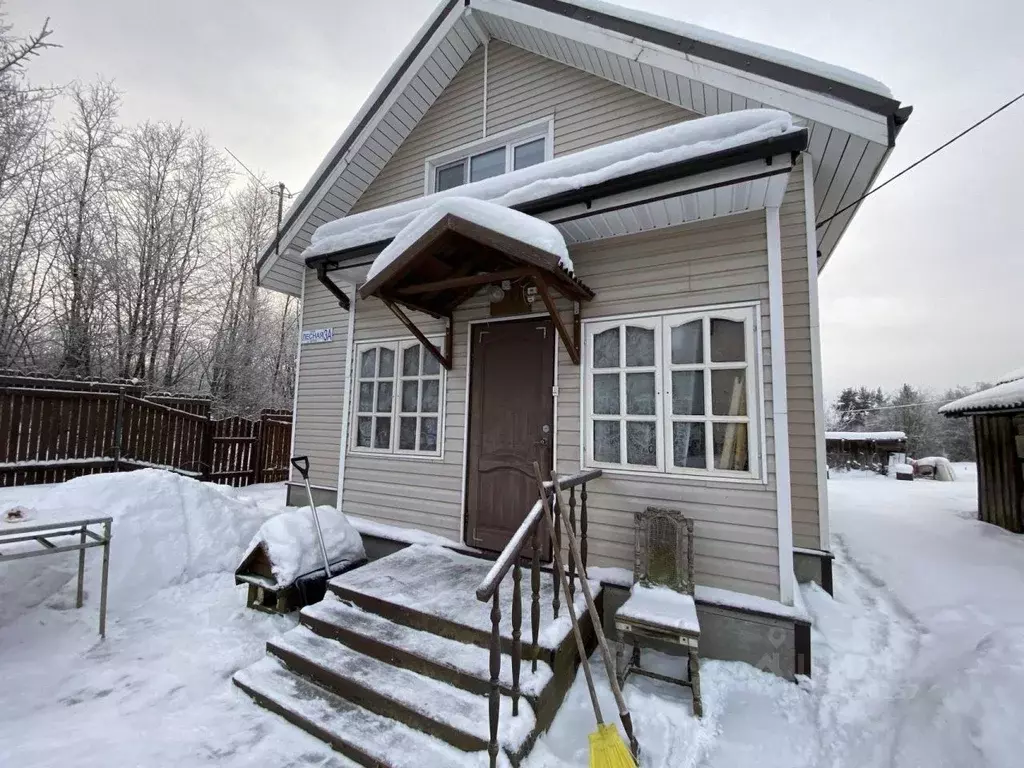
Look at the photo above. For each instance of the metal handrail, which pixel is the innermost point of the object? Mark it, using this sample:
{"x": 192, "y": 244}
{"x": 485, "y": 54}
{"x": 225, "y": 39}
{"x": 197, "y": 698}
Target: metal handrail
{"x": 515, "y": 545}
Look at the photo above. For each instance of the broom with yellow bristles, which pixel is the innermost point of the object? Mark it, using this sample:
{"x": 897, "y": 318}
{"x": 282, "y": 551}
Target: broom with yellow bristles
{"x": 607, "y": 749}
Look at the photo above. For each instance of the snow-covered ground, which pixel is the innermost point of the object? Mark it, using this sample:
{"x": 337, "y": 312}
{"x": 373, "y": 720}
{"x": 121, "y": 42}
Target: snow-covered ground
{"x": 919, "y": 659}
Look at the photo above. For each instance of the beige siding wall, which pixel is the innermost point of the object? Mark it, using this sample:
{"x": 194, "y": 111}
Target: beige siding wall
{"x": 715, "y": 262}
{"x": 321, "y": 386}
{"x": 521, "y": 87}
{"x": 711, "y": 263}
{"x": 799, "y": 377}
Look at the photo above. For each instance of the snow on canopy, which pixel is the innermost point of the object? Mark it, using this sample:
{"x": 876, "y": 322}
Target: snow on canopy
{"x": 866, "y": 436}
{"x": 1005, "y": 396}
{"x": 672, "y": 144}
{"x": 740, "y": 45}
{"x": 497, "y": 218}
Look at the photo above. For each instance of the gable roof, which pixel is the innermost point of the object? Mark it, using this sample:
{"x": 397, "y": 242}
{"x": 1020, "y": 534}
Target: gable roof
{"x": 852, "y": 121}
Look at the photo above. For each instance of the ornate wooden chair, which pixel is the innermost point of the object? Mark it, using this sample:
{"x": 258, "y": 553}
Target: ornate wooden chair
{"x": 660, "y": 612}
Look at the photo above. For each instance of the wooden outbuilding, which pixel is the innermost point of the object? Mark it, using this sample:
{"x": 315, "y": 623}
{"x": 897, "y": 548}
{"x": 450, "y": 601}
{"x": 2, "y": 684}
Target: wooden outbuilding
{"x": 998, "y": 414}
{"x": 864, "y": 450}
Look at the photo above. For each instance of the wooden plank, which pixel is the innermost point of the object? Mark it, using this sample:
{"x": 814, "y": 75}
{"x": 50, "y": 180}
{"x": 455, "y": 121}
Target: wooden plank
{"x": 465, "y": 282}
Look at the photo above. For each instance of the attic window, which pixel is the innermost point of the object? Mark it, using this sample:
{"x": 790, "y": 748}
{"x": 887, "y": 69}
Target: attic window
{"x": 520, "y": 147}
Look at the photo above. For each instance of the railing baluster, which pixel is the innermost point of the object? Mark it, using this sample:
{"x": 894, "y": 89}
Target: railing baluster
{"x": 517, "y": 633}
{"x": 572, "y": 524}
{"x": 583, "y": 528}
{"x": 535, "y": 600}
{"x": 554, "y": 570}
{"x": 495, "y": 696}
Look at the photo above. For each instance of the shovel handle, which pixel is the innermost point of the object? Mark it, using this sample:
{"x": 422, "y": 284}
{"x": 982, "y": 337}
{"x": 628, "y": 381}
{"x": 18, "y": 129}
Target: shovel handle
{"x": 301, "y": 463}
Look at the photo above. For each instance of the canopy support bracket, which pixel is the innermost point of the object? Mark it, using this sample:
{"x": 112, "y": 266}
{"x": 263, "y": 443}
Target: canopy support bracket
{"x": 571, "y": 343}
{"x": 445, "y": 359}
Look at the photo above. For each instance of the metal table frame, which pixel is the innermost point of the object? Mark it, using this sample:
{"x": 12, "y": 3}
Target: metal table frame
{"x": 88, "y": 537}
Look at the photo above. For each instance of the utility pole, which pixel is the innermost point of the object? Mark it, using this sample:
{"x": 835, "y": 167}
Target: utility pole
{"x": 280, "y": 213}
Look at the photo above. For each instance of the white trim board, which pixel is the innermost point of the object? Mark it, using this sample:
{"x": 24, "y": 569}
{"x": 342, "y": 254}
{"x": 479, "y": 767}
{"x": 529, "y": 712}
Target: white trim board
{"x": 818, "y": 392}
{"x": 780, "y": 407}
{"x": 346, "y": 417}
{"x": 298, "y": 360}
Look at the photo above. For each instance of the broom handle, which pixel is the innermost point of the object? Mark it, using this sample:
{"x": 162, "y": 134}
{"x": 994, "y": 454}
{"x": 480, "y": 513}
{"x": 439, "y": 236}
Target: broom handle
{"x": 568, "y": 598}
{"x": 609, "y": 664}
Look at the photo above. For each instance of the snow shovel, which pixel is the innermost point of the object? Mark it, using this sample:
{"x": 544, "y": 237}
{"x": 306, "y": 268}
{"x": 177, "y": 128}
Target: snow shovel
{"x": 301, "y": 463}
{"x": 607, "y": 750}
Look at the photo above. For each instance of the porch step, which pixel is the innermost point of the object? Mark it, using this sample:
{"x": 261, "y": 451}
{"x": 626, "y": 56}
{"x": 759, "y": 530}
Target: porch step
{"x": 368, "y": 738}
{"x": 464, "y": 666}
{"x": 449, "y": 713}
{"x": 433, "y": 589}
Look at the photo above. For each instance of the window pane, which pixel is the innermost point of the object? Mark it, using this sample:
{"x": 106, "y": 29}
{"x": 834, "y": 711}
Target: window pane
{"x": 640, "y": 394}
{"x": 729, "y": 393}
{"x": 384, "y": 396}
{"x": 639, "y": 346}
{"x": 387, "y": 363}
{"x": 428, "y": 400}
{"x": 407, "y": 434}
{"x": 731, "y": 447}
{"x": 365, "y": 396}
{"x": 430, "y": 365}
{"x": 363, "y": 431}
{"x": 688, "y": 393}
{"x": 411, "y": 361}
{"x": 688, "y": 343}
{"x": 727, "y": 345}
{"x": 368, "y": 363}
{"x": 606, "y": 393}
{"x": 641, "y": 443}
{"x": 450, "y": 176}
{"x": 428, "y": 434}
{"x": 528, "y": 154}
{"x": 606, "y": 442}
{"x": 688, "y": 445}
{"x": 487, "y": 164}
{"x": 606, "y": 349}
{"x": 382, "y": 432}
{"x": 410, "y": 395}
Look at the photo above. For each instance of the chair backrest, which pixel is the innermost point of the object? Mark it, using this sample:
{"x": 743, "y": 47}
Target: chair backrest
{"x": 663, "y": 549}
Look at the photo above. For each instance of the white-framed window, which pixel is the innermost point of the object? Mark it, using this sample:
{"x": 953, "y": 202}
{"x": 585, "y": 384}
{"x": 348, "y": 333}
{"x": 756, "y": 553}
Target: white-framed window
{"x": 674, "y": 393}
{"x": 503, "y": 152}
{"x": 399, "y": 399}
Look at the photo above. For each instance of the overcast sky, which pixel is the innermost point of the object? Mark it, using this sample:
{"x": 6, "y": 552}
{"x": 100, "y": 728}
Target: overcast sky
{"x": 927, "y": 285}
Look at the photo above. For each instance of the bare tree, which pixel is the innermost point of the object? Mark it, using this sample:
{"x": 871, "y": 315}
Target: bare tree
{"x": 83, "y": 181}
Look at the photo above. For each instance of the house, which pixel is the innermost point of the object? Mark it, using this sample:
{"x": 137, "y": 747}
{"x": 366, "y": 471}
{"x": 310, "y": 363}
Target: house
{"x": 871, "y": 450}
{"x": 571, "y": 233}
{"x": 998, "y": 415}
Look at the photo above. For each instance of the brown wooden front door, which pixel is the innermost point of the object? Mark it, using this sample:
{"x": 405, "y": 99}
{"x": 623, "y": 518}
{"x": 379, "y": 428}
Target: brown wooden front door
{"x": 511, "y": 406}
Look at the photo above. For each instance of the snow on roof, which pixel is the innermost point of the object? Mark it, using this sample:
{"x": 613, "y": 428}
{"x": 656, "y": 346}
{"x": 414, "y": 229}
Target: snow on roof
{"x": 866, "y": 436}
{"x": 495, "y": 217}
{"x": 1017, "y": 373}
{"x": 672, "y": 144}
{"x": 1006, "y": 396}
{"x": 738, "y": 44}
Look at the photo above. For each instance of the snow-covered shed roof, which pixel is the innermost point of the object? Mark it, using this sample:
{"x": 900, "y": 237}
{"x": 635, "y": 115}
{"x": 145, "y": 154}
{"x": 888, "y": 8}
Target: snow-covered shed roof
{"x": 867, "y": 437}
{"x": 1008, "y": 395}
{"x": 656, "y": 149}
{"x": 851, "y": 120}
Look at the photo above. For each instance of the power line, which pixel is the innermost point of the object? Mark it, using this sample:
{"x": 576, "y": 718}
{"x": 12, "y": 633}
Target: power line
{"x": 934, "y": 152}
{"x": 258, "y": 180}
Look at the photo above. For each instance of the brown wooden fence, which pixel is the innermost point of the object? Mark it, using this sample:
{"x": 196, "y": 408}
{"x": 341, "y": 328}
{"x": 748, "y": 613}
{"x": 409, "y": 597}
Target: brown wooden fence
{"x": 54, "y": 433}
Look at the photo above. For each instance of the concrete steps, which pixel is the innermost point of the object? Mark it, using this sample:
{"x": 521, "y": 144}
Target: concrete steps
{"x": 392, "y": 668}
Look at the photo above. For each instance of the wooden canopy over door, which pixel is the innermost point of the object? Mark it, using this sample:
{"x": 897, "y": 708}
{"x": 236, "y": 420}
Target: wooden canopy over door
{"x": 511, "y": 412}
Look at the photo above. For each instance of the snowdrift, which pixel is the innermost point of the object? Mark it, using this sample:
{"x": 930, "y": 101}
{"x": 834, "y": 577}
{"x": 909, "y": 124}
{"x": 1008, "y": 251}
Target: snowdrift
{"x": 289, "y": 543}
{"x": 167, "y": 529}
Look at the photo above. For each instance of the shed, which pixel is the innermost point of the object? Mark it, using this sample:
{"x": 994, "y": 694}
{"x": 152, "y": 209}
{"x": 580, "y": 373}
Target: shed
{"x": 998, "y": 414}
{"x": 863, "y": 450}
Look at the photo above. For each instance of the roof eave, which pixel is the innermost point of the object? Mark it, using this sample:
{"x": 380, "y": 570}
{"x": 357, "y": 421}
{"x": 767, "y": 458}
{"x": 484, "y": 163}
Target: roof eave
{"x": 764, "y": 149}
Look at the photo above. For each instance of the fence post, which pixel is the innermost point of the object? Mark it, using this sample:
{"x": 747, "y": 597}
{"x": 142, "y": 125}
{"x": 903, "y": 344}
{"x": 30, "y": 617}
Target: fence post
{"x": 118, "y": 428}
{"x": 206, "y": 462}
{"x": 256, "y": 457}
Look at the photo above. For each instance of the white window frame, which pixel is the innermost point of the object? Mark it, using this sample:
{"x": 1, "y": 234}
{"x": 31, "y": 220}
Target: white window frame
{"x": 662, "y": 322}
{"x": 398, "y": 347}
{"x": 510, "y": 139}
